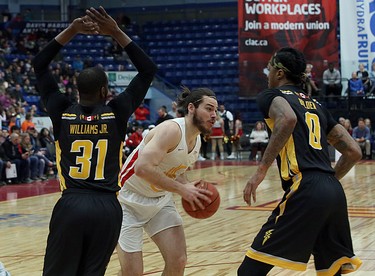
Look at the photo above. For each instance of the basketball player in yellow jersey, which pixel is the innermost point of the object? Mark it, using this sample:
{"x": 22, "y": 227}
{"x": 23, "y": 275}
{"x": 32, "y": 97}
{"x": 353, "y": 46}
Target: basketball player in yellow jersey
{"x": 155, "y": 170}
{"x": 312, "y": 216}
{"x": 86, "y": 220}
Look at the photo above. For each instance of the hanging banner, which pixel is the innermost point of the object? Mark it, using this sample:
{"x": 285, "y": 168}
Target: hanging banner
{"x": 357, "y": 35}
{"x": 268, "y": 25}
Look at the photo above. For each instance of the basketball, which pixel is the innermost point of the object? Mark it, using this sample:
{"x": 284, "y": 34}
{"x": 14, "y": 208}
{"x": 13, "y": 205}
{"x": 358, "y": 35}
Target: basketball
{"x": 210, "y": 209}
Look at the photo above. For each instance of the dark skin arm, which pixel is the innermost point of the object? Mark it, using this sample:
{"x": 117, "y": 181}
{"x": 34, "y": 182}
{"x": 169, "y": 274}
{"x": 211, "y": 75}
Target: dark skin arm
{"x": 284, "y": 122}
{"x": 341, "y": 140}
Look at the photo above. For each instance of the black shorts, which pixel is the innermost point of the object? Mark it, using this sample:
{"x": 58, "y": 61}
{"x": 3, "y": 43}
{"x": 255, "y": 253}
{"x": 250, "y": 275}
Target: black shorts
{"x": 312, "y": 218}
{"x": 84, "y": 230}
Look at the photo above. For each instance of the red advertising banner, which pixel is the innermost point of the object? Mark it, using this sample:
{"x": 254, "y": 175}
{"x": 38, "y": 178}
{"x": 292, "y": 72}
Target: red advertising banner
{"x": 268, "y": 25}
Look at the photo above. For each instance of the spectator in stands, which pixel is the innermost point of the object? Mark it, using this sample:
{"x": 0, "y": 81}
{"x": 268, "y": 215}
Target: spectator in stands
{"x": 17, "y": 94}
{"x": 217, "y": 137}
{"x": 134, "y": 139}
{"x": 332, "y": 81}
{"x": 72, "y": 94}
{"x": 15, "y": 129}
{"x": 173, "y": 111}
{"x": 363, "y": 75}
{"x": 163, "y": 115}
{"x": 39, "y": 151}
{"x": 47, "y": 143}
{"x": 4, "y": 163}
{"x": 368, "y": 124}
{"x": 372, "y": 134}
{"x": 3, "y": 117}
{"x": 203, "y": 152}
{"x": 258, "y": 140}
{"x": 28, "y": 122}
{"x": 37, "y": 164}
{"x": 372, "y": 79}
{"x": 147, "y": 130}
{"x": 21, "y": 47}
{"x": 34, "y": 110}
{"x": 341, "y": 120}
{"x": 5, "y": 100}
{"x": 13, "y": 151}
{"x": 361, "y": 134}
{"x": 356, "y": 92}
{"x": 28, "y": 88}
{"x": 17, "y": 75}
{"x": 77, "y": 63}
{"x": 237, "y": 133}
{"x": 4, "y": 160}
{"x": 8, "y": 71}
{"x": 21, "y": 111}
{"x": 228, "y": 126}
{"x": 313, "y": 88}
{"x": 13, "y": 122}
{"x": 348, "y": 126}
{"x": 27, "y": 15}
{"x": 142, "y": 114}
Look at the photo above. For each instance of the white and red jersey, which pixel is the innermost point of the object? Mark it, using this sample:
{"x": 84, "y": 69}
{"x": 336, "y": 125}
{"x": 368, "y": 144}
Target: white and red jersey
{"x": 174, "y": 164}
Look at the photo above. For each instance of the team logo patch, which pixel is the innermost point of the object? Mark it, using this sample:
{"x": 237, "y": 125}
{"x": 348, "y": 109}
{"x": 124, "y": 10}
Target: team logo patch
{"x": 89, "y": 118}
{"x": 303, "y": 96}
{"x": 267, "y": 236}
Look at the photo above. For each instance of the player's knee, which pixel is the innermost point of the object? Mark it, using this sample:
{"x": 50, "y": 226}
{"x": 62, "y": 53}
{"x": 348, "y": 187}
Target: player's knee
{"x": 178, "y": 263}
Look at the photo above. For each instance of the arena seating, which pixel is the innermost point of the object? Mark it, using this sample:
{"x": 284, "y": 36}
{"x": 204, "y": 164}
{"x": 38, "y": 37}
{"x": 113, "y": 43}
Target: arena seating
{"x": 200, "y": 53}
{"x": 193, "y": 53}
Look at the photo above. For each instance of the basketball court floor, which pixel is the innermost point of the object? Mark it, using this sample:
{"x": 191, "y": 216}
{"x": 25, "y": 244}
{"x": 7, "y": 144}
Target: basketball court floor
{"x": 215, "y": 246}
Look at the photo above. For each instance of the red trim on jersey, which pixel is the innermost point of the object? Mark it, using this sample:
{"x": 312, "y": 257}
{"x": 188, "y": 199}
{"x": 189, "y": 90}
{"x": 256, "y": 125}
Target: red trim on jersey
{"x": 125, "y": 172}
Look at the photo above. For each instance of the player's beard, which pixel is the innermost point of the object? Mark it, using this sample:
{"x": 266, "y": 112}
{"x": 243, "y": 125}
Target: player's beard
{"x": 200, "y": 124}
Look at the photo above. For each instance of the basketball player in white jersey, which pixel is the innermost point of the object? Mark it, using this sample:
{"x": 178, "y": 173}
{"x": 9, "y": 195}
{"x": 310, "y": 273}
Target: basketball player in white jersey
{"x": 155, "y": 170}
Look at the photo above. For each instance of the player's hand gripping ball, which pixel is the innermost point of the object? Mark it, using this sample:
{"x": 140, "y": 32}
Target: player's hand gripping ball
{"x": 210, "y": 208}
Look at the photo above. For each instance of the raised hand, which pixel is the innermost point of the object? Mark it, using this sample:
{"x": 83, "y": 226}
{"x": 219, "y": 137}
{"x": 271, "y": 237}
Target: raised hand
{"x": 84, "y": 25}
{"x": 107, "y": 25}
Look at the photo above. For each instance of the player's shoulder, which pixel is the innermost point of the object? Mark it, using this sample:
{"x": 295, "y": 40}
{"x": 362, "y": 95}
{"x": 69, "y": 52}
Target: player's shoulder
{"x": 167, "y": 127}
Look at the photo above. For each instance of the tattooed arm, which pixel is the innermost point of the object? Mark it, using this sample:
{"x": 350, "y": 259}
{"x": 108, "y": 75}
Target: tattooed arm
{"x": 340, "y": 139}
{"x": 284, "y": 122}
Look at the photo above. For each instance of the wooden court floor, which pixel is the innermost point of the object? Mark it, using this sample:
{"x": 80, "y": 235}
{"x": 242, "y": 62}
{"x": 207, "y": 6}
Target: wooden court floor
{"x": 216, "y": 246}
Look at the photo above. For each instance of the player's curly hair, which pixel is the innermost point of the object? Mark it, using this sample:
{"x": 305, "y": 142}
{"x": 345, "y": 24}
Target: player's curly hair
{"x": 193, "y": 96}
{"x": 293, "y": 63}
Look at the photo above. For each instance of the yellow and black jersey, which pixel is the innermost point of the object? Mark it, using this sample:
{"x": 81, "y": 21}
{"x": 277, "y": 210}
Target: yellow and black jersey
{"x": 313, "y": 121}
{"x": 89, "y": 148}
{"x": 89, "y": 139}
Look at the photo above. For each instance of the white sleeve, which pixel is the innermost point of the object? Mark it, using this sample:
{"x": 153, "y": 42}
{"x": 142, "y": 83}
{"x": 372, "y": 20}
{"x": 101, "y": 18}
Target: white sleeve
{"x": 229, "y": 116}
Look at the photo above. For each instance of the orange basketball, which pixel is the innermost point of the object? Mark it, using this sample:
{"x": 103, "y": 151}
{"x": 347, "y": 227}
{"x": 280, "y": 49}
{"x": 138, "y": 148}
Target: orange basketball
{"x": 210, "y": 209}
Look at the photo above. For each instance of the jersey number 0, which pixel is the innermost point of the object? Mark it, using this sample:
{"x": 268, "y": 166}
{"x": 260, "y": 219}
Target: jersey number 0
{"x": 313, "y": 124}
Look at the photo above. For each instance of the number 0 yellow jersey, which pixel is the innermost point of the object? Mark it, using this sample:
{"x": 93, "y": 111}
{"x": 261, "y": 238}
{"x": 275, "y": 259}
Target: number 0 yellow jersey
{"x": 313, "y": 121}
